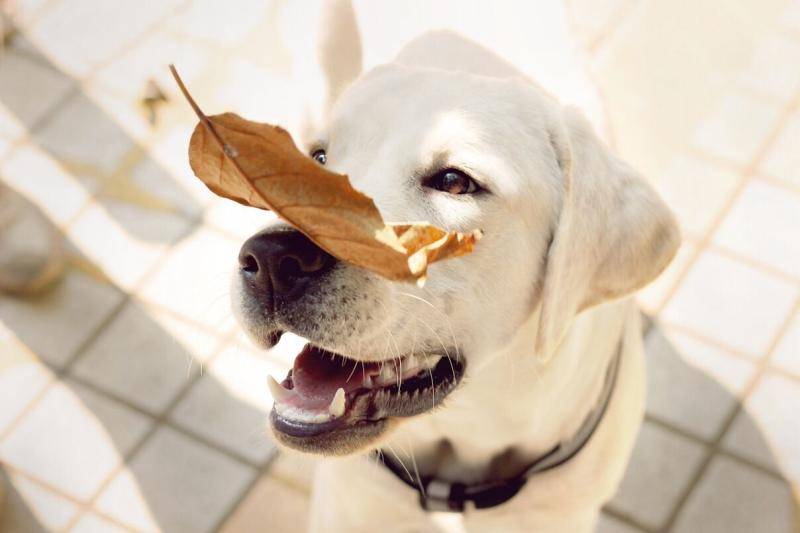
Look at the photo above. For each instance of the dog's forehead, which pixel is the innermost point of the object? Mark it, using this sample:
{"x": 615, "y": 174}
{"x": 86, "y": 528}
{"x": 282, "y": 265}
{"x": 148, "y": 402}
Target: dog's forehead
{"x": 413, "y": 119}
{"x": 416, "y": 99}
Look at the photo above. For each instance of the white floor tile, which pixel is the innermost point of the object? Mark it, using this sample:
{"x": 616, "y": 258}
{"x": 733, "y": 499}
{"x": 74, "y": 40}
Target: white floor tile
{"x": 82, "y": 135}
{"x": 734, "y": 498}
{"x": 253, "y": 515}
{"x": 170, "y": 464}
{"x": 696, "y": 190}
{"x": 146, "y": 356}
{"x": 237, "y": 220}
{"x": 29, "y": 89}
{"x": 230, "y": 403}
{"x": 768, "y": 72}
{"x": 73, "y": 439}
{"x": 731, "y": 303}
{"x": 737, "y": 128}
{"x": 45, "y": 182}
{"x": 203, "y": 20}
{"x": 764, "y": 225}
{"x": 55, "y": 324}
{"x": 79, "y": 35}
{"x": 768, "y": 428}
{"x": 167, "y": 156}
{"x": 194, "y": 279}
{"x": 790, "y": 18}
{"x": 659, "y": 472}
{"x": 125, "y": 240}
{"x": 692, "y": 384}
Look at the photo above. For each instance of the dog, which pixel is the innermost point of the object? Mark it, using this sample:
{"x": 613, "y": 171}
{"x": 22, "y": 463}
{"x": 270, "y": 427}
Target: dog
{"x": 511, "y": 387}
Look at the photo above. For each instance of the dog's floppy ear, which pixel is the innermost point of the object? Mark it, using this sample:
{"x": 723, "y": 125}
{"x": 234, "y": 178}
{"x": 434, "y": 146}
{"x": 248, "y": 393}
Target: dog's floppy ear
{"x": 614, "y": 233}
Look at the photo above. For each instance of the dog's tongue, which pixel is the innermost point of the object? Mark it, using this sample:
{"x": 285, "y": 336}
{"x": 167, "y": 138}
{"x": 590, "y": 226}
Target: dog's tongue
{"x": 317, "y": 375}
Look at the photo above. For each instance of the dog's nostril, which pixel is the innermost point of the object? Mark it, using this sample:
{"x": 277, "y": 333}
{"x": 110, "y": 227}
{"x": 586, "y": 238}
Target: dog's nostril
{"x": 250, "y": 265}
{"x": 289, "y": 268}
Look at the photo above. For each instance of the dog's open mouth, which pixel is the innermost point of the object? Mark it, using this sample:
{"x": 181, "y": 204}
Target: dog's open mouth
{"x": 330, "y": 395}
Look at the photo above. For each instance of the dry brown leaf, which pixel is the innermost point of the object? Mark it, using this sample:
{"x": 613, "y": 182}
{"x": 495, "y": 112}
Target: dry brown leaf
{"x": 259, "y": 165}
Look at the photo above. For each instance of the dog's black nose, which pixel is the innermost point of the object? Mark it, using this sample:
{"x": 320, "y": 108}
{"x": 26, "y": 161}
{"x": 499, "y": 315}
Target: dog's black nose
{"x": 282, "y": 261}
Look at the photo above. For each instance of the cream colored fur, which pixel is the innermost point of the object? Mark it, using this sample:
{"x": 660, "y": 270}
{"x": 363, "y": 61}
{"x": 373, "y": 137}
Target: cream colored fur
{"x": 537, "y": 311}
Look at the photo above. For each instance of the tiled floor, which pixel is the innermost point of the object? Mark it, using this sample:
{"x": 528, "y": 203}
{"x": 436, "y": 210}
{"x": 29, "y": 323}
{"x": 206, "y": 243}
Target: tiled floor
{"x": 129, "y": 401}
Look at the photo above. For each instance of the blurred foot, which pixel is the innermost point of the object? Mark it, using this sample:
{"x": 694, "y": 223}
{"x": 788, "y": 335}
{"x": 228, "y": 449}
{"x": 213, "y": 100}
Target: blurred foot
{"x": 31, "y": 257}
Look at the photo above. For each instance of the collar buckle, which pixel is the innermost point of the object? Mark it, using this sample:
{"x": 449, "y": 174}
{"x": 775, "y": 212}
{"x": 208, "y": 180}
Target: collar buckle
{"x": 442, "y": 496}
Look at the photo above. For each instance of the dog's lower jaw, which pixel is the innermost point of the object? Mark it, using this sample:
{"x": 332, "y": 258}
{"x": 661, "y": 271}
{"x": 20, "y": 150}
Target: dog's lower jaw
{"x": 346, "y": 441}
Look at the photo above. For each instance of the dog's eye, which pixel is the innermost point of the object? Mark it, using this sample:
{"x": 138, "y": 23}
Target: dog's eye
{"x": 319, "y": 156}
{"x": 452, "y": 181}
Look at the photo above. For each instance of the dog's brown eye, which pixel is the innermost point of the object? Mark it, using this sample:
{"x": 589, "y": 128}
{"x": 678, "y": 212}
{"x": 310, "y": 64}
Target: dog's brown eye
{"x": 319, "y": 156}
{"x": 452, "y": 181}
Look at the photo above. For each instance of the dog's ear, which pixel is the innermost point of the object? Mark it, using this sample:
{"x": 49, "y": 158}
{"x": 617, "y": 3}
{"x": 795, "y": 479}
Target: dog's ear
{"x": 339, "y": 48}
{"x": 336, "y": 43}
{"x": 614, "y": 233}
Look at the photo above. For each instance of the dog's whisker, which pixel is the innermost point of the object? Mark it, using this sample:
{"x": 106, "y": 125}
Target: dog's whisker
{"x": 399, "y": 460}
{"x": 442, "y": 313}
{"x": 352, "y": 371}
{"x": 444, "y": 347}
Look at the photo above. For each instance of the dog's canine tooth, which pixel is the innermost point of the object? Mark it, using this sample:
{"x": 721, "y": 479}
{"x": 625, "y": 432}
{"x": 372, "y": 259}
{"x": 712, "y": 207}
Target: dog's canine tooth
{"x": 367, "y": 383}
{"x": 277, "y": 390}
{"x": 336, "y": 408}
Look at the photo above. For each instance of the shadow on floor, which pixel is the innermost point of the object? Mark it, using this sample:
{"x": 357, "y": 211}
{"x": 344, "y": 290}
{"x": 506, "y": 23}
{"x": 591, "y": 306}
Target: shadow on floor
{"x": 65, "y": 323}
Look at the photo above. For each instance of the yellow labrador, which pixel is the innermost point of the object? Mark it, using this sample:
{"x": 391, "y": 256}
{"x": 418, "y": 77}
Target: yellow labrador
{"x": 510, "y": 389}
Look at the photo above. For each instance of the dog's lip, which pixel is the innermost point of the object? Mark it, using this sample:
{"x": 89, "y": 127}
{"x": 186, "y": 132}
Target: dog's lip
{"x": 311, "y": 416}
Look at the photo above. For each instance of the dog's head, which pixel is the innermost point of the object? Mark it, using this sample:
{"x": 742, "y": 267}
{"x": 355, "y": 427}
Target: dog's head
{"x": 566, "y": 226}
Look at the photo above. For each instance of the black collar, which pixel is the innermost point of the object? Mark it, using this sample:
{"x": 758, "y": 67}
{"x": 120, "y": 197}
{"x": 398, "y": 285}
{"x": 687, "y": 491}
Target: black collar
{"x": 439, "y": 495}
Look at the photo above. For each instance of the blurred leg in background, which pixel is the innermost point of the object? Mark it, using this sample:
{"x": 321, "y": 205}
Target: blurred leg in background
{"x": 31, "y": 257}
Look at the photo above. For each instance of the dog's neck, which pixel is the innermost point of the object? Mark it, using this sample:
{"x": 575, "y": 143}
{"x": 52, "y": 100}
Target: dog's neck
{"x": 517, "y": 407}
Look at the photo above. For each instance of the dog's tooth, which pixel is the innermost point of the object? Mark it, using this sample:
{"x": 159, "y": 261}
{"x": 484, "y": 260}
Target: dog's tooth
{"x": 367, "y": 383}
{"x": 276, "y": 389}
{"x": 431, "y": 362}
{"x": 336, "y": 408}
{"x": 387, "y": 374}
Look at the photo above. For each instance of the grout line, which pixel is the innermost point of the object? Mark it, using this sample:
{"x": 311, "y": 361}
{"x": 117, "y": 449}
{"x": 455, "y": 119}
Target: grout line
{"x": 672, "y": 427}
{"x": 753, "y": 263}
{"x": 158, "y": 422}
{"x": 748, "y": 172}
{"x": 778, "y": 183}
{"x": 720, "y": 345}
{"x": 716, "y": 443}
{"x": 627, "y": 518}
{"x": 159, "y": 419}
{"x": 65, "y": 495}
{"x": 614, "y": 24}
{"x": 65, "y": 370}
{"x": 260, "y": 472}
{"x": 702, "y": 441}
{"x": 764, "y": 469}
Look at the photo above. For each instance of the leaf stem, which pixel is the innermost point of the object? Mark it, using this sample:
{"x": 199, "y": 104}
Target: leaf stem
{"x": 229, "y": 150}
